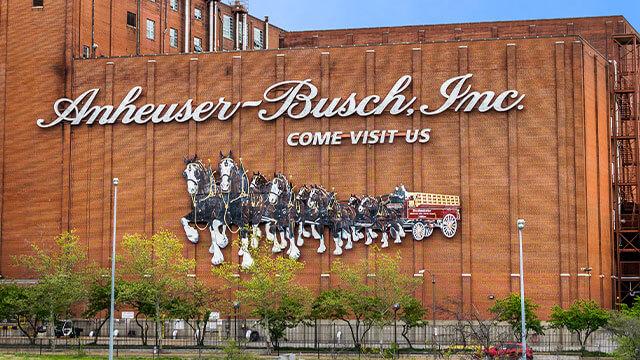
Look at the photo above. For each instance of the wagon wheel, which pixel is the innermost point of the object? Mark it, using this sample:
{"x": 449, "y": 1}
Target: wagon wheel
{"x": 449, "y": 226}
{"x": 419, "y": 230}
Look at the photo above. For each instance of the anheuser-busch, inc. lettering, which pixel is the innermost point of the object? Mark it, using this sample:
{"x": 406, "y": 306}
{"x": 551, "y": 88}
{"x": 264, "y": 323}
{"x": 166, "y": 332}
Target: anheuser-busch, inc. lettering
{"x": 293, "y": 99}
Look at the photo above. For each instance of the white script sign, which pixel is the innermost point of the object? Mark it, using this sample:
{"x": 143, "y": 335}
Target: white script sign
{"x": 294, "y": 99}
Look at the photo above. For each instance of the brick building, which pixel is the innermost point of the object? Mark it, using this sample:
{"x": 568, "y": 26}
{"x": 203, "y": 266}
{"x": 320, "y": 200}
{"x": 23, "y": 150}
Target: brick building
{"x": 551, "y": 162}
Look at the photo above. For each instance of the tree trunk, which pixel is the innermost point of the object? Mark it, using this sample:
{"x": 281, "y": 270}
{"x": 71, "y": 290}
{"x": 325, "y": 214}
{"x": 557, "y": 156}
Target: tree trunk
{"x": 269, "y": 347}
{"x": 32, "y": 339}
{"x": 51, "y": 331}
{"x": 158, "y": 329}
{"x": 97, "y": 334}
{"x": 143, "y": 332}
{"x": 405, "y": 331}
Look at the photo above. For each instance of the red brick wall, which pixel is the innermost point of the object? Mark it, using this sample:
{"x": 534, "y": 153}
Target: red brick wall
{"x": 596, "y": 30}
{"x": 32, "y": 76}
{"x": 503, "y": 165}
{"x": 115, "y": 38}
{"x": 539, "y": 163}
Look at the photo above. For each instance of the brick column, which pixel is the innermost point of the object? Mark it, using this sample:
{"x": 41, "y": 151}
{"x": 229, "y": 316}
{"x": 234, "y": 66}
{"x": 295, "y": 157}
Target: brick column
{"x": 465, "y": 249}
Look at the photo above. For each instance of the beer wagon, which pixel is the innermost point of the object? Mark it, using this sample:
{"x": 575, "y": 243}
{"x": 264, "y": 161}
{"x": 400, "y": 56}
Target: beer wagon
{"x": 422, "y": 212}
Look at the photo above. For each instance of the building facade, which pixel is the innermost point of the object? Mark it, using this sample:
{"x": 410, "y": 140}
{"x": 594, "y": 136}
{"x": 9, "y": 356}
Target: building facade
{"x": 546, "y": 156}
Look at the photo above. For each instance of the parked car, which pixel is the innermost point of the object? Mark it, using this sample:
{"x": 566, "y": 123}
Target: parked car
{"x": 509, "y": 350}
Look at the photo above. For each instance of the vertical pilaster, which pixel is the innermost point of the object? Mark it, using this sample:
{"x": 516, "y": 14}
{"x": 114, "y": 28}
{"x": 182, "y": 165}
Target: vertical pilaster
{"x": 108, "y": 168}
{"x": 563, "y": 264}
{"x": 570, "y": 140}
{"x": 325, "y": 155}
{"x": 150, "y": 151}
{"x": 325, "y": 90}
{"x": 465, "y": 249}
{"x": 65, "y": 206}
{"x": 604, "y": 223}
{"x": 370, "y": 88}
{"x": 237, "y": 97}
{"x": 416, "y": 73}
{"x": 349, "y": 39}
{"x": 370, "y": 151}
{"x": 193, "y": 89}
{"x": 279, "y": 128}
{"x": 580, "y": 245}
{"x": 514, "y": 210}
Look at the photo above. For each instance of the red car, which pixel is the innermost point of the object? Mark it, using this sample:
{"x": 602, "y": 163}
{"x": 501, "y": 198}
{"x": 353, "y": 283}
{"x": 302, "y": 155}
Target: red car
{"x": 510, "y": 350}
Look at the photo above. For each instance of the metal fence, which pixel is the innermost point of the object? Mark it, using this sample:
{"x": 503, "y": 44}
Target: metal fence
{"x": 316, "y": 336}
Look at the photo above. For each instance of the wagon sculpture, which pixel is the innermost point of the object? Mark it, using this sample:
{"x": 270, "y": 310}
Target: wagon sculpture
{"x": 422, "y": 212}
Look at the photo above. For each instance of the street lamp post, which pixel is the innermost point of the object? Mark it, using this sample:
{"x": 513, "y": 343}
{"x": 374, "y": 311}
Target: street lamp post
{"x": 113, "y": 268}
{"x": 396, "y": 307}
{"x": 520, "y": 223}
{"x": 236, "y": 306}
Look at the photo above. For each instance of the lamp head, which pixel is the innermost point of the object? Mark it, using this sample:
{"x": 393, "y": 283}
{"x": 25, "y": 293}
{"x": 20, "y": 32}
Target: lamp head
{"x": 520, "y": 224}
{"x": 396, "y": 306}
{"x": 236, "y": 305}
{"x": 115, "y": 181}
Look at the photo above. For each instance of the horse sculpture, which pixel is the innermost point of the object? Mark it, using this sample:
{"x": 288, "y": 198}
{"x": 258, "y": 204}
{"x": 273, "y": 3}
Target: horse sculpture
{"x": 205, "y": 200}
{"x": 280, "y": 213}
{"x": 224, "y": 199}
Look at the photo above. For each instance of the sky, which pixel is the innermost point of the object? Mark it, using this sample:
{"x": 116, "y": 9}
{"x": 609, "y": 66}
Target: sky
{"x": 339, "y": 14}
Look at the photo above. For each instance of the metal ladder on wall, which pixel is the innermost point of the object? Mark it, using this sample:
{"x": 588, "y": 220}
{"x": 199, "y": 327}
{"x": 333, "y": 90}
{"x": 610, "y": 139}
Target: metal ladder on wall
{"x": 625, "y": 146}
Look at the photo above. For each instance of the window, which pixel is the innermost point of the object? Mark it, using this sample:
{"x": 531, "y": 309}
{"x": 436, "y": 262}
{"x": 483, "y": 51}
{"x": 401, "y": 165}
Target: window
{"x": 131, "y": 19}
{"x": 197, "y": 13}
{"x": 85, "y": 52}
{"x": 151, "y": 29}
{"x": 174, "y": 5}
{"x": 227, "y": 27}
{"x": 38, "y": 3}
{"x": 197, "y": 44}
{"x": 173, "y": 37}
{"x": 258, "y": 39}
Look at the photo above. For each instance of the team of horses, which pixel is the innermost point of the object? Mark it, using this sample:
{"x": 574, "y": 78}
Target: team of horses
{"x": 225, "y": 200}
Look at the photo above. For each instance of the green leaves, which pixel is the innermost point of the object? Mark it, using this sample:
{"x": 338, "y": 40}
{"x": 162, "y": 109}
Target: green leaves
{"x": 366, "y": 292}
{"x": 583, "y": 317}
{"x": 625, "y": 325}
{"x": 268, "y": 288}
{"x": 508, "y": 310}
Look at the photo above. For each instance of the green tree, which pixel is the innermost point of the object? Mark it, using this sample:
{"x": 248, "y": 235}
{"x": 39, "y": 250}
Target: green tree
{"x": 61, "y": 273}
{"x": 8, "y": 303}
{"x": 155, "y": 269}
{"x": 195, "y": 307}
{"x": 21, "y": 303}
{"x": 625, "y": 325}
{"x": 583, "y": 317}
{"x": 269, "y": 289}
{"x": 98, "y": 299}
{"x": 411, "y": 314}
{"x": 365, "y": 294}
{"x": 508, "y": 309}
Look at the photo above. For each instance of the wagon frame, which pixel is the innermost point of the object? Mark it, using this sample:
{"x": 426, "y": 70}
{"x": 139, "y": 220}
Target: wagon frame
{"x": 422, "y": 212}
